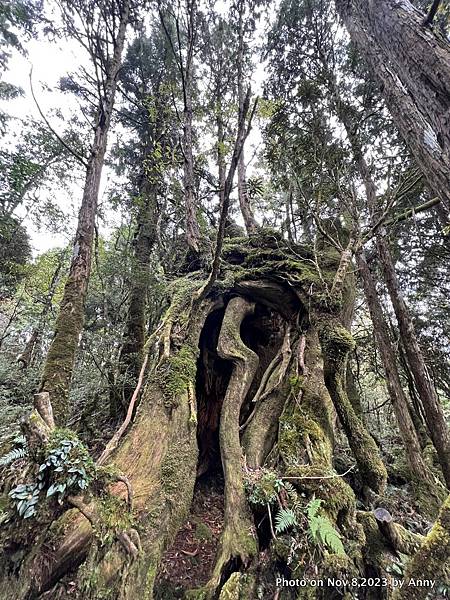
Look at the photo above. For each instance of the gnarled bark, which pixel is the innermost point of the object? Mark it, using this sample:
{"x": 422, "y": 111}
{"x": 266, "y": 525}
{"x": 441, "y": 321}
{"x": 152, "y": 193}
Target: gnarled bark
{"x": 396, "y": 393}
{"x": 254, "y": 337}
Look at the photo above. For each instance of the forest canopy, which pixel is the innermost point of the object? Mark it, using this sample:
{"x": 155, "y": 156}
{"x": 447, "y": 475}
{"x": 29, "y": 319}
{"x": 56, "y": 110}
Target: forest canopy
{"x": 224, "y": 283}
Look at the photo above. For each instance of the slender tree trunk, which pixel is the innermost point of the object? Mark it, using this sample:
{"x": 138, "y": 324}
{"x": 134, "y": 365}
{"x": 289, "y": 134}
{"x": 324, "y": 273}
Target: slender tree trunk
{"x": 433, "y": 409}
{"x": 435, "y": 418}
{"x": 192, "y": 228}
{"x": 412, "y": 65}
{"x": 27, "y": 357}
{"x": 396, "y": 393}
{"x": 69, "y": 324}
{"x": 220, "y": 151}
{"x": 244, "y": 201}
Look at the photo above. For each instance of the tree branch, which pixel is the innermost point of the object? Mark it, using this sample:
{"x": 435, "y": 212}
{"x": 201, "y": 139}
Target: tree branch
{"x": 73, "y": 152}
{"x": 431, "y": 13}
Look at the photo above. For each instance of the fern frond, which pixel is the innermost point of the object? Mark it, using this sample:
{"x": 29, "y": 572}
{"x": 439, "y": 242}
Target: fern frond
{"x": 13, "y": 455}
{"x": 332, "y": 539}
{"x": 284, "y": 519}
{"x": 323, "y": 532}
{"x": 313, "y": 507}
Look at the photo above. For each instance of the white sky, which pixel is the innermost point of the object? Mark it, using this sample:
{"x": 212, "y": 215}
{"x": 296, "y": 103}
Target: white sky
{"x": 47, "y": 61}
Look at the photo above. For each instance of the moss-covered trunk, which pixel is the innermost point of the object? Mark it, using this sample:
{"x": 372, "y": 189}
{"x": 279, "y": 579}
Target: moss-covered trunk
{"x": 60, "y": 359}
{"x": 246, "y": 383}
{"x": 131, "y": 353}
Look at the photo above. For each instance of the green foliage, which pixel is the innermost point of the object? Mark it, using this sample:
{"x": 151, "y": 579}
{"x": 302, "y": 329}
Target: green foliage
{"x": 284, "y": 519}
{"x": 321, "y": 529}
{"x": 26, "y": 497}
{"x": 15, "y": 251}
{"x": 66, "y": 468}
{"x": 17, "y": 453}
{"x": 263, "y": 489}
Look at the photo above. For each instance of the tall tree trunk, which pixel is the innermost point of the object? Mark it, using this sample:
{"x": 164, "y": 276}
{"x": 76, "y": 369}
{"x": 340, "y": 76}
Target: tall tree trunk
{"x": 240, "y": 349}
{"x": 244, "y": 200}
{"x": 69, "y": 324}
{"x": 434, "y": 414}
{"x": 393, "y": 382}
{"x": 130, "y": 358}
{"x": 192, "y": 228}
{"x": 412, "y": 65}
{"x": 433, "y": 409}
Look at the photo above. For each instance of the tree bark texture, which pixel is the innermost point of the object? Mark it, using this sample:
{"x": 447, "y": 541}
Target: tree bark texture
{"x": 131, "y": 354}
{"x": 192, "y": 228}
{"x": 273, "y": 375}
{"x": 244, "y": 200}
{"x": 433, "y": 409}
{"x": 69, "y": 324}
{"x": 412, "y": 65}
{"x": 393, "y": 382}
{"x": 434, "y": 414}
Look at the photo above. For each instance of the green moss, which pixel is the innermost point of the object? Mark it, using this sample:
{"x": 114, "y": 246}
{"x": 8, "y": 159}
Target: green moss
{"x": 196, "y": 594}
{"x": 261, "y": 487}
{"x": 428, "y": 497}
{"x": 230, "y": 590}
{"x": 296, "y": 383}
{"x": 152, "y": 570}
{"x": 297, "y": 431}
{"x": 336, "y": 343}
{"x": 268, "y": 253}
{"x": 340, "y": 567}
{"x": 281, "y": 548}
{"x": 58, "y": 435}
{"x": 178, "y": 374}
{"x": 203, "y": 532}
{"x": 61, "y": 355}
{"x": 113, "y": 515}
{"x": 431, "y": 561}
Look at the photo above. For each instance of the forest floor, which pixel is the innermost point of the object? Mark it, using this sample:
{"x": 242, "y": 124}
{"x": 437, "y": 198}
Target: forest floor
{"x": 188, "y": 563}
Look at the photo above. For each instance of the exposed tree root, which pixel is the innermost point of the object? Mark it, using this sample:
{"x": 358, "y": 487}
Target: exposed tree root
{"x": 295, "y": 376}
{"x": 238, "y": 541}
{"x": 336, "y": 344}
{"x": 431, "y": 562}
{"x": 262, "y": 424}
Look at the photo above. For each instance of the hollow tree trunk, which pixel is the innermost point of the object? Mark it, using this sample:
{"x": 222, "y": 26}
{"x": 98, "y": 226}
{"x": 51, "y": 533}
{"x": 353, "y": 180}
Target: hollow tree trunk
{"x": 395, "y": 389}
{"x": 435, "y": 418}
{"x": 412, "y": 64}
{"x": 238, "y": 539}
{"x": 273, "y": 368}
{"x": 69, "y": 324}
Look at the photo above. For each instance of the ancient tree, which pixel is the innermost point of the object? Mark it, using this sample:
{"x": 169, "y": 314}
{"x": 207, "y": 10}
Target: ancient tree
{"x": 270, "y": 333}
